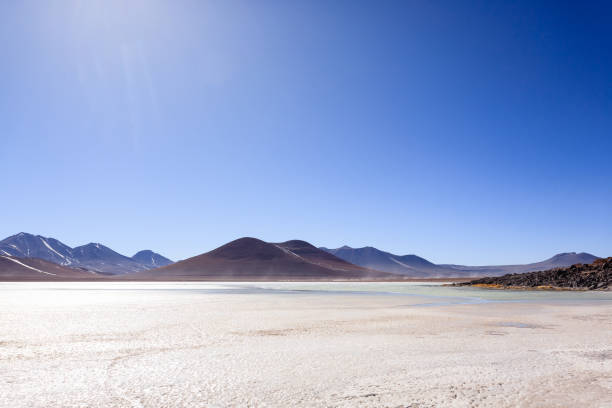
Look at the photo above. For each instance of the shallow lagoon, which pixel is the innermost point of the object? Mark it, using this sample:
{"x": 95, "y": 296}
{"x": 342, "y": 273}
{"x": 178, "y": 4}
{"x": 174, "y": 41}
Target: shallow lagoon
{"x": 437, "y": 293}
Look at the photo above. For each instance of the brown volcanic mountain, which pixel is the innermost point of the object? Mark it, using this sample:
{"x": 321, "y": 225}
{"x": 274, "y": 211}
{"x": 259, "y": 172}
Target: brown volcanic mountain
{"x": 254, "y": 259}
{"x": 34, "y": 269}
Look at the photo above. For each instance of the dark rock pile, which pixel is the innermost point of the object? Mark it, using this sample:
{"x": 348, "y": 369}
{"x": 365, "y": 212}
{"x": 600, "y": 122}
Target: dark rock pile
{"x": 595, "y": 276}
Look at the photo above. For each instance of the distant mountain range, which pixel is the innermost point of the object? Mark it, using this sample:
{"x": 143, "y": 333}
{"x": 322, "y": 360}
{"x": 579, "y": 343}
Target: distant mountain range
{"x": 370, "y": 257}
{"x": 254, "y": 259}
{"x": 93, "y": 257}
{"x": 415, "y": 266}
{"x": 37, "y": 257}
{"x": 561, "y": 260}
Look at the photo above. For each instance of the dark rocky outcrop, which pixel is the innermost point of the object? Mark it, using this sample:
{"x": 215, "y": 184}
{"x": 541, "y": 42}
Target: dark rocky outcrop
{"x": 594, "y": 276}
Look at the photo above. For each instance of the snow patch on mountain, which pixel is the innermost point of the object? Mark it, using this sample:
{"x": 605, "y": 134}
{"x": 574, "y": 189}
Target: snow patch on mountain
{"x": 400, "y": 263}
{"x": 68, "y": 262}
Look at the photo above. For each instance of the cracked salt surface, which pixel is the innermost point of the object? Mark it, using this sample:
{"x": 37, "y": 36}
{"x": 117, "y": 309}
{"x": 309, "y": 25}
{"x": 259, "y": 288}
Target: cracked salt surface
{"x": 314, "y": 345}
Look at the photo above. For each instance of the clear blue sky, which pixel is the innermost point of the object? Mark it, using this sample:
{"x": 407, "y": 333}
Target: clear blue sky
{"x": 467, "y": 132}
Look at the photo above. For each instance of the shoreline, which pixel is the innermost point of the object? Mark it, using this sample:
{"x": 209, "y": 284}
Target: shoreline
{"x": 120, "y": 278}
{"x": 542, "y": 288}
{"x": 450, "y": 282}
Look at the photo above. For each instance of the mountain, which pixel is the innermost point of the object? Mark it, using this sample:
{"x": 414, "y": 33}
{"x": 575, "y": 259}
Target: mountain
{"x": 254, "y": 259}
{"x": 34, "y": 269}
{"x": 557, "y": 261}
{"x": 370, "y": 257}
{"x": 288, "y": 260}
{"x": 99, "y": 258}
{"x": 95, "y": 257}
{"x": 415, "y": 266}
{"x": 151, "y": 259}
{"x": 25, "y": 245}
{"x": 594, "y": 276}
{"x": 565, "y": 259}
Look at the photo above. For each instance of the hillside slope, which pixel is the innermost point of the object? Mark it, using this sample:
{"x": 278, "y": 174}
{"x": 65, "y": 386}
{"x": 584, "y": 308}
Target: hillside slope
{"x": 34, "y": 269}
{"x": 254, "y": 259}
{"x": 373, "y": 258}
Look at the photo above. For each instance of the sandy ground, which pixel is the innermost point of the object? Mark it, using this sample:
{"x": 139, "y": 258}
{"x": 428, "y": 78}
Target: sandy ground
{"x": 121, "y": 349}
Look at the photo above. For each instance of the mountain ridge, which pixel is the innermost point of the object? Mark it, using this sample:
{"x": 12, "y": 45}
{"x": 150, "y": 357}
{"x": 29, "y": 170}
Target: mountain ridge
{"x": 416, "y": 266}
{"x": 92, "y": 256}
{"x": 250, "y": 258}
{"x": 99, "y": 258}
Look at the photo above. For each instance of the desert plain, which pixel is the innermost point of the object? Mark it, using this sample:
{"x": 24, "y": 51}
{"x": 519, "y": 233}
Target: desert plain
{"x": 279, "y": 345}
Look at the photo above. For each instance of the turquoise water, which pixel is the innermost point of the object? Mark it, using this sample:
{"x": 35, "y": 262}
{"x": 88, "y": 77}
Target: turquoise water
{"x": 441, "y": 291}
{"x": 433, "y": 293}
